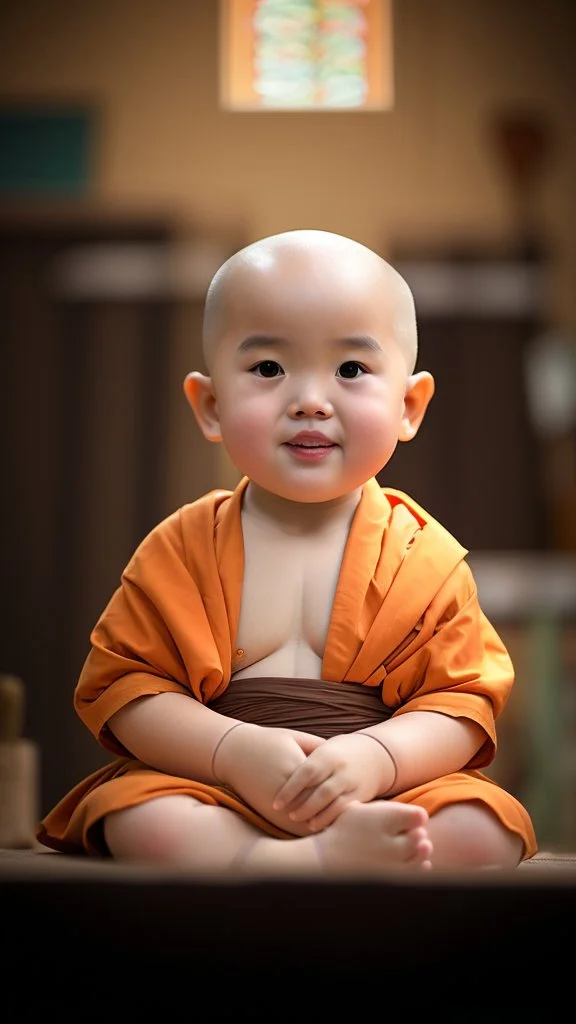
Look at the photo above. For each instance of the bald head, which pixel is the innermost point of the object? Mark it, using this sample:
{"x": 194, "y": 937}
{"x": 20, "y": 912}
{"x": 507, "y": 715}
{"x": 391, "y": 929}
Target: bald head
{"x": 320, "y": 254}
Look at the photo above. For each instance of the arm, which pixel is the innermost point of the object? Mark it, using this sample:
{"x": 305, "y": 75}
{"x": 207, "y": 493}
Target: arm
{"x": 178, "y": 735}
{"x": 424, "y": 745}
{"x": 171, "y": 732}
{"x": 458, "y": 666}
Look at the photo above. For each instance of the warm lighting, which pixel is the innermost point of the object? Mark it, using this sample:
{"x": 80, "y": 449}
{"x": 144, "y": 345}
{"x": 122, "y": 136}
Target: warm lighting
{"x": 306, "y": 55}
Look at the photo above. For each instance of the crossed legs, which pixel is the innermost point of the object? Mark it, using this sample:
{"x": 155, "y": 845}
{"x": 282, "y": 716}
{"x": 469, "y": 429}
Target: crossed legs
{"x": 367, "y": 839}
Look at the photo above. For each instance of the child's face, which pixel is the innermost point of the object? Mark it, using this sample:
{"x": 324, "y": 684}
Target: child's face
{"x": 310, "y": 389}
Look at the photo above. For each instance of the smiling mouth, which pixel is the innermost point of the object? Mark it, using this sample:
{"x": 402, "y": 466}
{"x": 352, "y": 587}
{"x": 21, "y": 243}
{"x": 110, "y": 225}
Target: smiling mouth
{"x": 310, "y": 439}
{"x": 302, "y": 444}
{"x": 311, "y": 449}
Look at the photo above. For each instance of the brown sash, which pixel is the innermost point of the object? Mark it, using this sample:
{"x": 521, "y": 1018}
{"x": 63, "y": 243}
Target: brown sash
{"x": 309, "y": 705}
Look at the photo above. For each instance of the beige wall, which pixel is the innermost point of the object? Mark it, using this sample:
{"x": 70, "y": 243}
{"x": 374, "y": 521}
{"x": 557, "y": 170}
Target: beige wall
{"x": 421, "y": 172}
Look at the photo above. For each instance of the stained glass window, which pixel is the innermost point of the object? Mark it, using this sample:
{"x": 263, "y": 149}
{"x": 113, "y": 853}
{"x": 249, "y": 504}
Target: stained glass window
{"x": 306, "y": 54}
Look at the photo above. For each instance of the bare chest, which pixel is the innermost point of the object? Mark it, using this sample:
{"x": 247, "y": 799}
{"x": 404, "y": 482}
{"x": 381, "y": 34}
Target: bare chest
{"x": 288, "y": 592}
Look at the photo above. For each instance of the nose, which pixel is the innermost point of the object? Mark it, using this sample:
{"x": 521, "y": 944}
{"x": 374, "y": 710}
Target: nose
{"x": 310, "y": 403}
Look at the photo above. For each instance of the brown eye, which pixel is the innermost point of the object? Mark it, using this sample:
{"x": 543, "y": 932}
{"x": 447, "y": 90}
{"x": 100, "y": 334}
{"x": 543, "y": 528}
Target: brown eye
{"x": 350, "y": 370}
{"x": 268, "y": 368}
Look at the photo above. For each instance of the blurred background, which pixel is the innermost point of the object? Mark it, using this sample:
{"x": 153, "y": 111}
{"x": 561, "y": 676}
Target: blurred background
{"x": 125, "y": 182}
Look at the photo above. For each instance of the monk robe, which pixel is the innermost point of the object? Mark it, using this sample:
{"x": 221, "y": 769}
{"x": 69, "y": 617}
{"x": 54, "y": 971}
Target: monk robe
{"x": 406, "y": 633}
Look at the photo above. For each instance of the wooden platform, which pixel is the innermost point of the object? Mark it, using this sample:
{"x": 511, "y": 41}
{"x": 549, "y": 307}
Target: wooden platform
{"x": 141, "y": 937}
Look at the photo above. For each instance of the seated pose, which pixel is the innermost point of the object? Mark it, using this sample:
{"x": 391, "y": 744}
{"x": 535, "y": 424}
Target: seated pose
{"x": 296, "y": 677}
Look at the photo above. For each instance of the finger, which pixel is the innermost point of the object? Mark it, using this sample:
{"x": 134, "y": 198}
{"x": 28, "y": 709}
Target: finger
{"x": 315, "y": 801}
{"x": 303, "y": 778}
{"x": 303, "y": 806}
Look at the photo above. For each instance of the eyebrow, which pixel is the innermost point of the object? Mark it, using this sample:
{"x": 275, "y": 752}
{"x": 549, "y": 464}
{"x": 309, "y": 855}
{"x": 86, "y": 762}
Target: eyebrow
{"x": 361, "y": 342}
{"x": 261, "y": 341}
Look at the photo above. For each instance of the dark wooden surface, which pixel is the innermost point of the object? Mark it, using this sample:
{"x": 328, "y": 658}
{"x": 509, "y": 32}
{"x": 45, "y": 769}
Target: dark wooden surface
{"x": 143, "y": 938}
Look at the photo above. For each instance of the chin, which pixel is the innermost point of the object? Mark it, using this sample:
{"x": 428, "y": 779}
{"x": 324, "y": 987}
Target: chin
{"x": 310, "y": 495}
{"x": 304, "y": 490}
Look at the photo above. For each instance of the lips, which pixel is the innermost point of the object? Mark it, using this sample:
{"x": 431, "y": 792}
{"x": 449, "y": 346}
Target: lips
{"x": 311, "y": 439}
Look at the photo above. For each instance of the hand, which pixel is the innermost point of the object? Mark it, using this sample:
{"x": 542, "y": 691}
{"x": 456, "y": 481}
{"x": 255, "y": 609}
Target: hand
{"x": 255, "y": 761}
{"x": 345, "y": 768}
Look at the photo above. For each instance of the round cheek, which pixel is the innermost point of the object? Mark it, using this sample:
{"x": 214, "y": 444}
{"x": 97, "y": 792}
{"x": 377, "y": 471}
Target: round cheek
{"x": 375, "y": 431}
{"x": 244, "y": 435}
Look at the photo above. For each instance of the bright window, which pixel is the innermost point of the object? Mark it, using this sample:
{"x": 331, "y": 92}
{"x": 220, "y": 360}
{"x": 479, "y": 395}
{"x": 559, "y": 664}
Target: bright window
{"x": 306, "y": 55}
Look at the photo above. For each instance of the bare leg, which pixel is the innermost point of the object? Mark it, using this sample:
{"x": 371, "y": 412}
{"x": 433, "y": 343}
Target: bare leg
{"x": 367, "y": 839}
{"x": 469, "y": 835}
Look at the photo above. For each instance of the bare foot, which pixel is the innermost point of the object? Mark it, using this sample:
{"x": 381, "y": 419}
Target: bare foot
{"x": 371, "y": 838}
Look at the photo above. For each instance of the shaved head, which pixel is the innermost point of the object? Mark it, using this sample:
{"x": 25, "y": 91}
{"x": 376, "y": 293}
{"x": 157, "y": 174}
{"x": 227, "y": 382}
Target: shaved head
{"x": 322, "y": 254}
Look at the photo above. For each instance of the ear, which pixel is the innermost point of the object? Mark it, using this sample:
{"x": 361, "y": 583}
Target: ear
{"x": 419, "y": 391}
{"x": 199, "y": 391}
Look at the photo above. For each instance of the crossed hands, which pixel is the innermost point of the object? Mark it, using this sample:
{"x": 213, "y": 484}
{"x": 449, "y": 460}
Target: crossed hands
{"x": 301, "y": 782}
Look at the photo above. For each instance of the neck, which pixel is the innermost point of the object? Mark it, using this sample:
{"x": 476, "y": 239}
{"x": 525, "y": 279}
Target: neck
{"x": 299, "y": 517}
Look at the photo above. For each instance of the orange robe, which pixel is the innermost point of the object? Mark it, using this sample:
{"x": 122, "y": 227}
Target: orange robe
{"x": 405, "y": 619}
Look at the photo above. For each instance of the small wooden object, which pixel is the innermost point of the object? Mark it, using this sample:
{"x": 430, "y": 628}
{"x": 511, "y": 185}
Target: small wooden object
{"x": 19, "y": 770}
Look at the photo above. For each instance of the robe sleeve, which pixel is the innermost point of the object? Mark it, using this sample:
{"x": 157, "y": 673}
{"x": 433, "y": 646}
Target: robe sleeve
{"x": 152, "y": 637}
{"x": 456, "y": 665}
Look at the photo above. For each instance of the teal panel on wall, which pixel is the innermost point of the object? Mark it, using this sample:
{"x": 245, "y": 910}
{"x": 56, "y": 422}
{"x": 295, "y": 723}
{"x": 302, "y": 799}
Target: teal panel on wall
{"x": 44, "y": 150}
